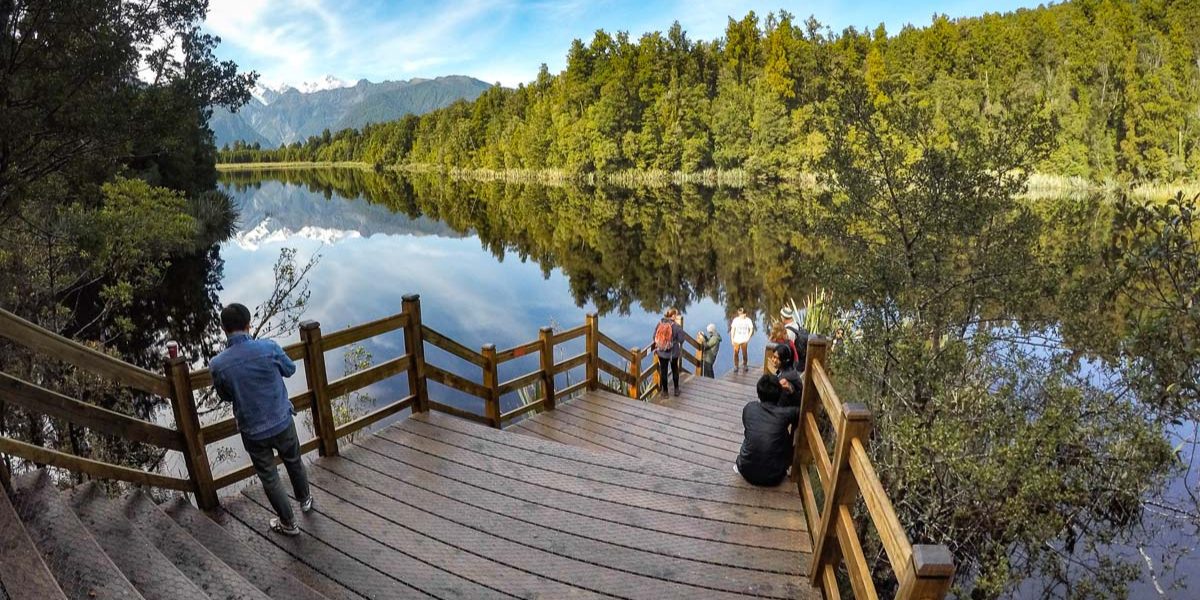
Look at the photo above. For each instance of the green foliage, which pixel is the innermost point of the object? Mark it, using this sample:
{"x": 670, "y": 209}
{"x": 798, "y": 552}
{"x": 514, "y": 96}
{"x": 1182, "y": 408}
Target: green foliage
{"x": 1119, "y": 80}
{"x": 1155, "y": 257}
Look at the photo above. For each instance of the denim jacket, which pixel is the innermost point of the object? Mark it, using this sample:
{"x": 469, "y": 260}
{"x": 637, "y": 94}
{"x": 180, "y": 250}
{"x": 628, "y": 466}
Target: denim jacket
{"x": 249, "y": 373}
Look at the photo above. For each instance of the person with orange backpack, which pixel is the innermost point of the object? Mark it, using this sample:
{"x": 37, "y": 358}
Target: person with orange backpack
{"x": 668, "y": 347}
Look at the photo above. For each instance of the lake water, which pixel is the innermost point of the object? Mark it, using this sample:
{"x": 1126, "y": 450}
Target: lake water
{"x": 494, "y": 263}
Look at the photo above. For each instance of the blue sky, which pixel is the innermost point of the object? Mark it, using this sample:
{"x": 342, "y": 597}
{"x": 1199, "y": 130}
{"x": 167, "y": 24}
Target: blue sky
{"x": 494, "y": 40}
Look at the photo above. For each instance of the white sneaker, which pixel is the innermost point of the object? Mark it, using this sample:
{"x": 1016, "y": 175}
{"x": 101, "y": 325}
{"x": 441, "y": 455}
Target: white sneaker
{"x": 308, "y": 505}
{"x": 278, "y": 527}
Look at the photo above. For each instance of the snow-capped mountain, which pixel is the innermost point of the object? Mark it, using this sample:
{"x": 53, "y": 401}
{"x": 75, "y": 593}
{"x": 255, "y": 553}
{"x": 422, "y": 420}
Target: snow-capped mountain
{"x": 285, "y": 113}
{"x": 268, "y": 92}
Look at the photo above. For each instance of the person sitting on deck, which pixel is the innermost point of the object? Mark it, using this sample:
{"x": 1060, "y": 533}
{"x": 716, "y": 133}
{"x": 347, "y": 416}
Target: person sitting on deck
{"x": 249, "y": 373}
{"x": 766, "y": 451}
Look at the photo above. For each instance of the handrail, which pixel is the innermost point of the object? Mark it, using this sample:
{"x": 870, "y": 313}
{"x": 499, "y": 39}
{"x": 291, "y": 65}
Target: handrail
{"x": 516, "y": 412}
{"x": 615, "y": 371}
{"x": 95, "y": 468}
{"x": 569, "y": 334}
{"x": 504, "y": 356}
{"x": 375, "y": 416}
{"x": 358, "y": 333}
{"x": 365, "y": 377}
{"x": 38, "y": 399}
{"x": 922, "y": 571}
{"x": 612, "y": 344}
{"x": 49, "y": 343}
{"x": 444, "y": 342}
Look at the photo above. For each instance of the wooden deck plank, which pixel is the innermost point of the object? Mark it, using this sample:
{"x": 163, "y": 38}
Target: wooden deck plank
{"x": 325, "y": 546}
{"x": 519, "y": 550}
{"x": 717, "y": 446}
{"x": 465, "y": 467}
{"x": 412, "y": 546}
{"x": 748, "y": 379}
{"x": 667, "y": 446}
{"x": 712, "y": 502}
{"x": 525, "y": 503}
{"x": 717, "y": 426}
{"x": 540, "y": 428}
{"x": 319, "y": 577}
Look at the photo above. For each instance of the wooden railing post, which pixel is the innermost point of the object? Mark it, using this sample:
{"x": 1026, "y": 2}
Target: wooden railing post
{"x": 546, "y": 335}
{"x": 928, "y": 575}
{"x": 491, "y": 404}
{"x": 593, "y": 350}
{"x": 770, "y": 347}
{"x": 195, "y": 455}
{"x": 801, "y": 454}
{"x": 700, "y": 356}
{"x": 318, "y": 383}
{"x": 414, "y": 346}
{"x": 635, "y": 369}
{"x": 657, "y": 371}
{"x": 843, "y": 488}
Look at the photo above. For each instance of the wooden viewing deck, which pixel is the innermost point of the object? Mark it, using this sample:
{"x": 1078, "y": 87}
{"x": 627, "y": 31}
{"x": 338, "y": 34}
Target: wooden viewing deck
{"x": 600, "y": 494}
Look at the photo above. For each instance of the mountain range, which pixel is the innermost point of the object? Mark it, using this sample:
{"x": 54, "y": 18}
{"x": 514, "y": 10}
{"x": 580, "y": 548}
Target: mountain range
{"x": 278, "y": 115}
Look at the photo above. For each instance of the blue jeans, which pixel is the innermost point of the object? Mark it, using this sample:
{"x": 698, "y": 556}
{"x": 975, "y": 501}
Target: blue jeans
{"x": 262, "y": 455}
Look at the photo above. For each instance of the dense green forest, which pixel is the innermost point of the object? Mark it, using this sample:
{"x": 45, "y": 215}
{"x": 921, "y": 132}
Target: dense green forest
{"x": 1116, "y": 85}
{"x": 109, "y": 213}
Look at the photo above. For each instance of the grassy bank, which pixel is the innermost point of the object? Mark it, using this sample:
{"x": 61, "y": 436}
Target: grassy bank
{"x": 1041, "y": 185}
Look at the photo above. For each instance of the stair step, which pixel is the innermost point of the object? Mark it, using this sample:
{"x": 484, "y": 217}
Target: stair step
{"x": 218, "y": 580}
{"x": 23, "y": 573}
{"x": 268, "y": 570}
{"x": 81, "y": 568}
{"x": 155, "y": 577}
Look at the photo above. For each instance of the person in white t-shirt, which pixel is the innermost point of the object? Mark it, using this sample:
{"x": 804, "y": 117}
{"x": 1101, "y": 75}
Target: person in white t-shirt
{"x": 740, "y": 331}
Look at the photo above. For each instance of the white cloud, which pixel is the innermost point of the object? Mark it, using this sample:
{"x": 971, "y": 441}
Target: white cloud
{"x": 295, "y": 41}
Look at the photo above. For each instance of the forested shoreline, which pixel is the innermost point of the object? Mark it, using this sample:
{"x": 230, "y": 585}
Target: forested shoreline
{"x": 1115, "y": 84}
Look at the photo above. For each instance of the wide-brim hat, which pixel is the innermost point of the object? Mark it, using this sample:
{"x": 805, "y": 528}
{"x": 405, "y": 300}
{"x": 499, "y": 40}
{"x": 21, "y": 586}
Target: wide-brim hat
{"x": 787, "y": 313}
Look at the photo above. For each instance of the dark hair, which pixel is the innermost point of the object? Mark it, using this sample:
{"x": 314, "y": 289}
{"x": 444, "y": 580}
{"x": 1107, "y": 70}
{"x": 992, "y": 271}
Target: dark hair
{"x": 235, "y": 317}
{"x": 785, "y": 356}
{"x": 769, "y": 389}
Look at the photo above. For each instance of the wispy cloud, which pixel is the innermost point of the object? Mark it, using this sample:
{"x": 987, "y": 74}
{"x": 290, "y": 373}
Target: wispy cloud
{"x": 495, "y": 40}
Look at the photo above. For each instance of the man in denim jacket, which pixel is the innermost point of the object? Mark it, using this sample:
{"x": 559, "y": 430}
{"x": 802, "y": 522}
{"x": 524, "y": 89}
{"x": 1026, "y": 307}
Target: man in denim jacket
{"x": 249, "y": 373}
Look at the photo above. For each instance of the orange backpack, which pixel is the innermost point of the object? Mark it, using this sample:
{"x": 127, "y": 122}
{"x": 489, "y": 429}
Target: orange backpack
{"x": 664, "y": 338}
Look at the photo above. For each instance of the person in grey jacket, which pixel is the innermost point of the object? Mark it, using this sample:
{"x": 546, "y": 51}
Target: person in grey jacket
{"x": 708, "y": 352}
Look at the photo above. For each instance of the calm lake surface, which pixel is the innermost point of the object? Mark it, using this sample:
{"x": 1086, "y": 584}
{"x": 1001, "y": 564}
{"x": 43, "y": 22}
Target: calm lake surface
{"x": 489, "y": 275}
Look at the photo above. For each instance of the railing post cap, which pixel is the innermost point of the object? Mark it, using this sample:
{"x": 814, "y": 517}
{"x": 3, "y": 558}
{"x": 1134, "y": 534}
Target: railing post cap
{"x": 489, "y": 347}
{"x": 856, "y": 411}
{"x": 546, "y": 329}
{"x": 172, "y": 362}
{"x": 411, "y": 297}
{"x": 930, "y": 560}
{"x": 593, "y": 315}
{"x": 816, "y": 340}
{"x": 307, "y": 325}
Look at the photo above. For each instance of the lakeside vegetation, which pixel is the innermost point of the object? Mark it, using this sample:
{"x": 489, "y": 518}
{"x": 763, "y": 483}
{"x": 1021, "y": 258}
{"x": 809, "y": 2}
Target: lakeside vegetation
{"x": 1114, "y": 83}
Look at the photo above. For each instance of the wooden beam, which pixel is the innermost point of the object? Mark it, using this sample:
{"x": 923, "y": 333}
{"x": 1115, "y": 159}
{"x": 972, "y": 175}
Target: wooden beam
{"x": 40, "y": 400}
{"x": 95, "y": 468}
{"x": 491, "y": 403}
{"x": 546, "y": 337}
{"x": 414, "y": 346}
{"x": 445, "y": 343}
{"x": 51, "y": 344}
{"x": 593, "y": 350}
{"x": 358, "y": 333}
{"x": 318, "y": 382}
{"x": 195, "y": 454}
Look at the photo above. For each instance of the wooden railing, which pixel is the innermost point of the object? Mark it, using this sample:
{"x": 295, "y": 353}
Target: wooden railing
{"x": 922, "y": 571}
{"x": 179, "y": 384}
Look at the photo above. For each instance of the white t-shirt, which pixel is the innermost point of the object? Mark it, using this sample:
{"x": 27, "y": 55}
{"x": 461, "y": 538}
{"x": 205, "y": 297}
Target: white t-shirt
{"x": 741, "y": 329}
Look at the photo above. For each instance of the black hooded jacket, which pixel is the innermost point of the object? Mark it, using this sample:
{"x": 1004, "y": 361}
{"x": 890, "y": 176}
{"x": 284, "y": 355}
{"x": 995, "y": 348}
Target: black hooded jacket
{"x": 788, "y": 371}
{"x": 767, "y": 448}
